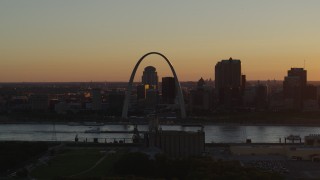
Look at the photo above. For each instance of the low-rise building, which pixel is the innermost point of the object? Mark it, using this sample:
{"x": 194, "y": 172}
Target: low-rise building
{"x": 292, "y": 152}
{"x": 312, "y": 140}
{"x": 177, "y": 143}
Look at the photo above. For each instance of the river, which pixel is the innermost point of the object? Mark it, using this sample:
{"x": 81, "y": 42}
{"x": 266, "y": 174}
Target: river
{"x": 228, "y": 133}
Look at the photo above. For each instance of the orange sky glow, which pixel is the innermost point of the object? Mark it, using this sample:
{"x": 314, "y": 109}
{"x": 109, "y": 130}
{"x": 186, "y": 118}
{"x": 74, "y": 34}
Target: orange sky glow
{"x": 64, "y": 41}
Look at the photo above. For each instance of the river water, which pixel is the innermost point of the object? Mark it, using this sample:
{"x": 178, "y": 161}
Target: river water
{"x": 214, "y": 133}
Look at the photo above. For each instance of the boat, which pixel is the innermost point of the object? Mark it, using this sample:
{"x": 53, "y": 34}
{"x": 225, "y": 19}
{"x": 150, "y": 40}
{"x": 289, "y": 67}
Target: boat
{"x": 92, "y": 124}
{"x": 293, "y": 137}
{"x": 93, "y": 130}
{"x": 74, "y": 124}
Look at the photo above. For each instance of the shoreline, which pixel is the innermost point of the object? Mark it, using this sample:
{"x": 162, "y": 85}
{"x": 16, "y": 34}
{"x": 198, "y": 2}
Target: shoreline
{"x": 165, "y": 124}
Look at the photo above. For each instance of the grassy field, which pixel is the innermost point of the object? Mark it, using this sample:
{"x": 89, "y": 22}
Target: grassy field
{"x": 104, "y": 168}
{"x": 72, "y": 162}
{"x": 82, "y": 164}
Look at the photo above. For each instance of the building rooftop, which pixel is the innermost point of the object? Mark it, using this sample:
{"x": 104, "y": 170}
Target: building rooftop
{"x": 230, "y": 60}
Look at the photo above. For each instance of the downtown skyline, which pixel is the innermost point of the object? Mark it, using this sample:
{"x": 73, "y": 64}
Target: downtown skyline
{"x": 58, "y": 41}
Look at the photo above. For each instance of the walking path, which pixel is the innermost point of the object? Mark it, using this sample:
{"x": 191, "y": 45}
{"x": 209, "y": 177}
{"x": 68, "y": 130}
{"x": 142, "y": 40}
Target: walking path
{"x": 91, "y": 168}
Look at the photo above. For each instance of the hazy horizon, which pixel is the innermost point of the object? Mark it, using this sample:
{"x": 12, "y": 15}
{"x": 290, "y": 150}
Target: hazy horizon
{"x": 81, "y": 41}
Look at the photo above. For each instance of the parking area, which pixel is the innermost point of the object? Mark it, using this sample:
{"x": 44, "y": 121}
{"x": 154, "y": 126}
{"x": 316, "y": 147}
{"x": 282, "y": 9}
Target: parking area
{"x": 277, "y": 166}
{"x": 303, "y": 169}
{"x": 291, "y": 169}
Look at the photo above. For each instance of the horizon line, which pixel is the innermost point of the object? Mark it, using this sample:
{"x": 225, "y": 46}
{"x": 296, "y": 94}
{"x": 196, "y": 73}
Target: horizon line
{"x": 11, "y": 82}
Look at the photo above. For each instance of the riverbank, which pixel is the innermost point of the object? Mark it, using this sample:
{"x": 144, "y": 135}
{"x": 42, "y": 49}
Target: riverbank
{"x": 224, "y": 133}
{"x": 245, "y": 119}
{"x": 198, "y": 123}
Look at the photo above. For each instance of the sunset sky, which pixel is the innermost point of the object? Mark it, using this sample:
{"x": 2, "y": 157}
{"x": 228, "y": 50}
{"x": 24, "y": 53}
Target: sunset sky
{"x": 83, "y": 40}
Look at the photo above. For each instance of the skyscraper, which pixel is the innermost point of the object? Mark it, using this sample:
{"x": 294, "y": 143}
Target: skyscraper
{"x": 228, "y": 74}
{"x": 228, "y": 82}
{"x": 294, "y": 86}
{"x": 150, "y": 77}
{"x": 168, "y": 90}
{"x": 299, "y": 72}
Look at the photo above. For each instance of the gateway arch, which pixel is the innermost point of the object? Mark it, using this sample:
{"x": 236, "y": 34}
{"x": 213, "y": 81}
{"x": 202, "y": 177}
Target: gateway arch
{"x": 129, "y": 90}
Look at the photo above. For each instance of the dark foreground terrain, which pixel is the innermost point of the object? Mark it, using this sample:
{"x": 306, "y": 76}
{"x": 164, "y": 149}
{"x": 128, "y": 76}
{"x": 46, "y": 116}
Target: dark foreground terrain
{"x": 29, "y": 160}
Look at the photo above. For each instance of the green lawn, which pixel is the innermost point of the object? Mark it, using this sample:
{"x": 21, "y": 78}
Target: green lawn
{"x": 104, "y": 168}
{"x": 68, "y": 163}
{"x": 75, "y": 161}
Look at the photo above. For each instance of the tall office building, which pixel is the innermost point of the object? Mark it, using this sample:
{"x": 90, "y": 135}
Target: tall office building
{"x": 150, "y": 77}
{"x": 294, "y": 87}
{"x": 168, "y": 90}
{"x": 299, "y": 72}
{"x": 228, "y": 74}
{"x": 228, "y": 82}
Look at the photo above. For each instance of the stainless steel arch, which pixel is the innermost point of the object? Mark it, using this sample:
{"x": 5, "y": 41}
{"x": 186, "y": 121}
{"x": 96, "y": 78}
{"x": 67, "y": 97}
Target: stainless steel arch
{"x": 129, "y": 90}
